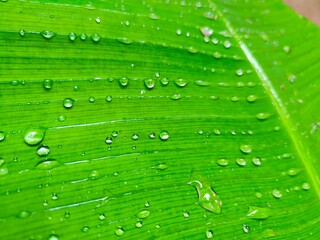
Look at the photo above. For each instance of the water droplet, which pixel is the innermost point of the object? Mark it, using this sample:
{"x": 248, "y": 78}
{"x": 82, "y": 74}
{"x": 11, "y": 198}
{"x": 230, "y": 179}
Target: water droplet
{"x": 139, "y": 224}
{"x": 227, "y": 44}
{"x": 207, "y": 197}
{"x": 53, "y": 237}
{"x": 102, "y": 217}
{"x": 3, "y": 171}
{"x": 175, "y": 96}
{"x": 258, "y": 195}
{"x": 125, "y": 40}
{"x": 245, "y": 228}
{"x": 22, "y": 32}
{"x": 1, "y": 161}
{"x": 263, "y": 116}
{"x": 85, "y": 229}
{"x": 234, "y": 99}
{"x": 98, "y": 20}
{"x": 83, "y": 36}
{"x": 43, "y": 151}
{"x": 72, "y": 36}
{"x": 24, "y": 214}
{"x": 178, "y": 32}
{"x": 293, "y": 171}
{"x": 149, "y": 83}
{"x": 276, "y": 193}
{"x": 94, "y": 174}
{"x": 206, "y": 31}
{"x": 164, "y": 135}
{"x": 95, "y": 37}
{"x": 305, "y": 186}
{"x": 164, "y": 81}
{"x": 256, "y": 161}
{"x": 119, "y": 231}
{"x": 108, "y": 140}
{"x": 62, "y": 118}
{"x": 202, "y": 83}
{"x": 2, "y": 136}
{"x": 286, "y": 49}
{"x": 47, "y": 164}
{"x": 217, "y": 55}
{"x": 215, "y": 41}
{"x": 186, "y": 214}
{"x": 209, "y": 234}
{"x": 181, "y": 82}
{"x": 258, "y": 213}
{"x": 108, "y": 98}
{"x": 192, "y": 50}
{"x": 216, "y": 131}
{"x": 47, "y": 34}
{"x": 143, "y": 214}
{"x": 162, "y": 166}
{"x": 152, "y": 135}
{"x": 67, "y": 215}
{"x": 14, "y": 83}
{"x": 114, "y": 134}
{"x": 54, "y": 196}
{"x": 92, "y": 99}
{"x": 153, "y": 16}
{"x": 47, "y": 84}
{"x": 123, "y": 82}
{"x": 239, "y": 72}
{"x": 251, "y": 98}
{"x": 68, "y": 103}
{"x": 245, "y": 148}
{"x": 135, "y": 137}
{"x": 241, "y": 162}
{"x": 222, "y": 162}
{"x": 34, "y": 135}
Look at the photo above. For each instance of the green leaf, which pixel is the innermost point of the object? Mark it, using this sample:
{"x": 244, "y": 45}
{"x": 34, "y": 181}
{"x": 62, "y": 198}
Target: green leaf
{"x": 158, "y": 119}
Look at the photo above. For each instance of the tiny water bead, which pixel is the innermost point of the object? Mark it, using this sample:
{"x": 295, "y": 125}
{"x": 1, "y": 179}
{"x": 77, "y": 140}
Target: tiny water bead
{"x": 92, "y": 99}
{"x": 47, "y": 34}
{"x": 181, "y": 82}
{"x": 222, "y": 162}
{"x": 124, "y": 82}
{"x": 62, "y": 118}
{"x": 108, "y": 140}
{"x": 102, "y": 217}
{"x": 162, "y": 166}
{"x": 276, "y": 193}
{"x": 234, "y": 99}
{"x": 192, "y": 50}
{"x": 175, "y": 96}
{"x": 209, "y": 234}
{"x": 53, "y": 237}
{"x": 293, "y": 172}
{"x": 149, "y": 83}
{"x": 119, "y": 231}
{"x": 22, "y": 32}
{"x": 241, "y": 162}
{"x": 85, "y": 229}
{"x": 108, "y": 98}
{"x": 139, "y": 224}
{"x": 186, "y": 214}
{"x": 143, "y": 214}
{"x": 54, "y": 196}
{"x": 2, "y": 136}
{"x": 83, "y": 36}
{"x": 34, "y": 135}
{"x": 43, "y": 151}
{"x": 245, "y": 228}
{"x": 68, "y": 103}
{"x": 227, "y": 44}
{"x": 67, "y": 215}
{"x": 47, "y": 164}
{"x": 256, "y": 161}
{"x": 164, "y": 135}
{"x": 216, "y": 131}
{"x": 95, "y": 37}
{"x": 164, "y": 81}
{"x": 152, "y": 135}
{"x": 244, "y": 148}
{"x": 114, "y": 134}
{"x": 72, "y": 36}
{"x": 263, "y": 116}
{"x": 135, "y": 136}
{"x": 98, "y": 20}
{"x": 239, "y": 72}
{"x": 305, "y": 186}
{"x": 47, "y": 84}
{"x": 14, "y": 83}
{"x": 153, "y": 16}
{"x": 94, "y": 174}
{"x": 251, "y": 98}
{"x": 258, "y": 213}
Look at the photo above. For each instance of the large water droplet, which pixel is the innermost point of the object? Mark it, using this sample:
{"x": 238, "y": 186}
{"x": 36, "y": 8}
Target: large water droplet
{"x": 245, "y": 228}
{"x": 239, "y": 72}
{"x": 34, "y": 135}
{"x": 305, "y": 186}
{"x": 68, "y": 103}
{"x": 92, "y": 99}
{"x": 47, "y": 34}
{"x": 43, "y": 151}
{"x": 258, "y": 212}
{"x": 207, "y": 197}
{"x": 245, "y": 148}
{"x": 149, "y": 83}
{"x": 3, "y": 171}
{"x": 108, "y": 98}
{"x": 2, "y": 136}
{"x": 164, "y": 135}
{"x": 164, "y": 81}
{"x": 47, "y": 84}
{"x": 108, "y": 140}
{"x": 47, "y": 164}
{"x": 143, "y": 214}
{"x": 119, "y": 231}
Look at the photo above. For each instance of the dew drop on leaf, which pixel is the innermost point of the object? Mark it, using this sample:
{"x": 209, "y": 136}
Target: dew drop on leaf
{"x": 114, "y": 134}
{"x": 164, "y": 81}
{"x": 53, "y": 237}
{"x": 54, "y": 196}
{"x": 47, "y": 84}
{"x": 22, "y": 33}
{"x": 83, "y": 36}
{"x": 135, "y": 136}
{"x": 181, "y": 82}
{"x": 68, "y": 103}
{"x": 263, "y": 116}
{"x": 95, "y": 37}
{"x": 186, "y": 214}
{"x": 3, "y": 171}
{"x": 276, "y": 193}
{"x": 94, "y": 174}
{"x": 149, "y": 83}
{"x": 152, "y": 135}
{"x": 305, "y": 186}
{"x": 108, "y": 98}
{"x": 67, "y": 215}
{"x": 206, "y": 31}
{"x": 34, "y": 135}
{"x": 244, "y": 148}
{"x": 47, "y": 34}
{"x": 245, "y": 228}
{"x": 209, "y": 234}
{"x": 258, "y": 213}
{"x": 139, "y": 224}
{"x": 98, "y": 20}
{"x": 123, "y": 82}
{"x": 47, "y": 164}
{"x": 143, "y": 214}
{"x": 192, "y": 50}
{"x": 24, "y": 214}
{"x": 102, "y": 217}
{"x": 92, "y": 99}
{"x": 119, "y": 231}
{"x": 43, "y": 151}
{"x": 241, "y": 162}
{"x": 256, "y": 161}
{"x": 164, "y": 135}
{"x": 85, "y": 229}
{"x": 2, "y": 136}
{"x": 153, "y": 16}
{"x": 239, "y": 72}
{"x": 72, "y": 36}
{"x": 108, "y": 140}
{"x": 251, "y": 98}
{"x": 202, "y": 83}
{"x": 222, "y": 162}
{"x": 293, "y": 172}
{"x": 1, "y": 161}
{"x": 62, "y": 118}
{"x": 162, "y": 166}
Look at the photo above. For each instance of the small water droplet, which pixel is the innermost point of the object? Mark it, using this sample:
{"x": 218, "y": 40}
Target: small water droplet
{"x": 217, "y": 55}
{"x": 85, "y": 229}
{"x": 206, "y": 31}
{"x": 276, "y": 193}
{"x": 202, "y": 83}
{"x": 164, "y": 81}
{"x": 24, "y": 214}
{"x": 22, "y": 32}
{"x": 178, "y": 32}
{"x": 286, "y": 49}
{"x": 186, "y": 214}
{"x": 62, "y": 118}
{"x": 3, "y": 171}
{"x": 245, "y": 228}
{"x": 164, "y": 135}
{"x": 47, "y": 164}
{"x": 175, "y": 96}
{"x": 47, "y": 34}
{"x": 14, "y": 83}
{"x": 251, "y": 98}
{"x": 209, "y": 234}
{"x": 124, "y": 82}
{"x": 1, "y": 161}
{"x": 209, "y": 15}
{"x": 125, "y": 40}
{"x": 305, "y": 186}
{"x": 54, "y": 196}
{"x": 68, "y": 103}
{"x": 241, "y": 162}
{"x": 149, "y": 83}
{"x": 2, "y": 136}
{"x": 34, "y": 135}
{"x": 72, "y": 36}
{"x": 47, "y": 84}
{"x": 139, "y": 224}
{"x": 108, "y": 98}
{"x": 153, "y": 16}
{"x": 162, "y": 166}
{"x": 293, "y": 171}
{"x": 83, "y": 36}
{"x": 258, "y": 213}
{"x": 135, "y": 137}
{"x": 192, "y": 50}
{"x": 152, "y": 135}
{"x": 245, "y": 148}
{"x": 119, "y": 231}
{"x": 143, "y": 214}
{"x": 181, "y": 82}
{"x": 43, "y": 151}
{"x": 258, "y": 195}
{"x": 92, "y": 99}
{"x": 102, "y": 217}
{"x": 53, "y": 237}
{"x": 234, "y": 99}
{"x": 256, "y": 161}
{"x": 114, "y": 134}
{"x": 216, "y": 131}
{"x": 239, "y": 72}
{"x": 95, "y": 37}
{"x": 263, "y": 116}
{"x": 108, "y": 140}
{"x": 227, "y": 44}
{"x": 94, "y": 174}
{"x": 98, "y": 20}
{"x": 222, "y": 162}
